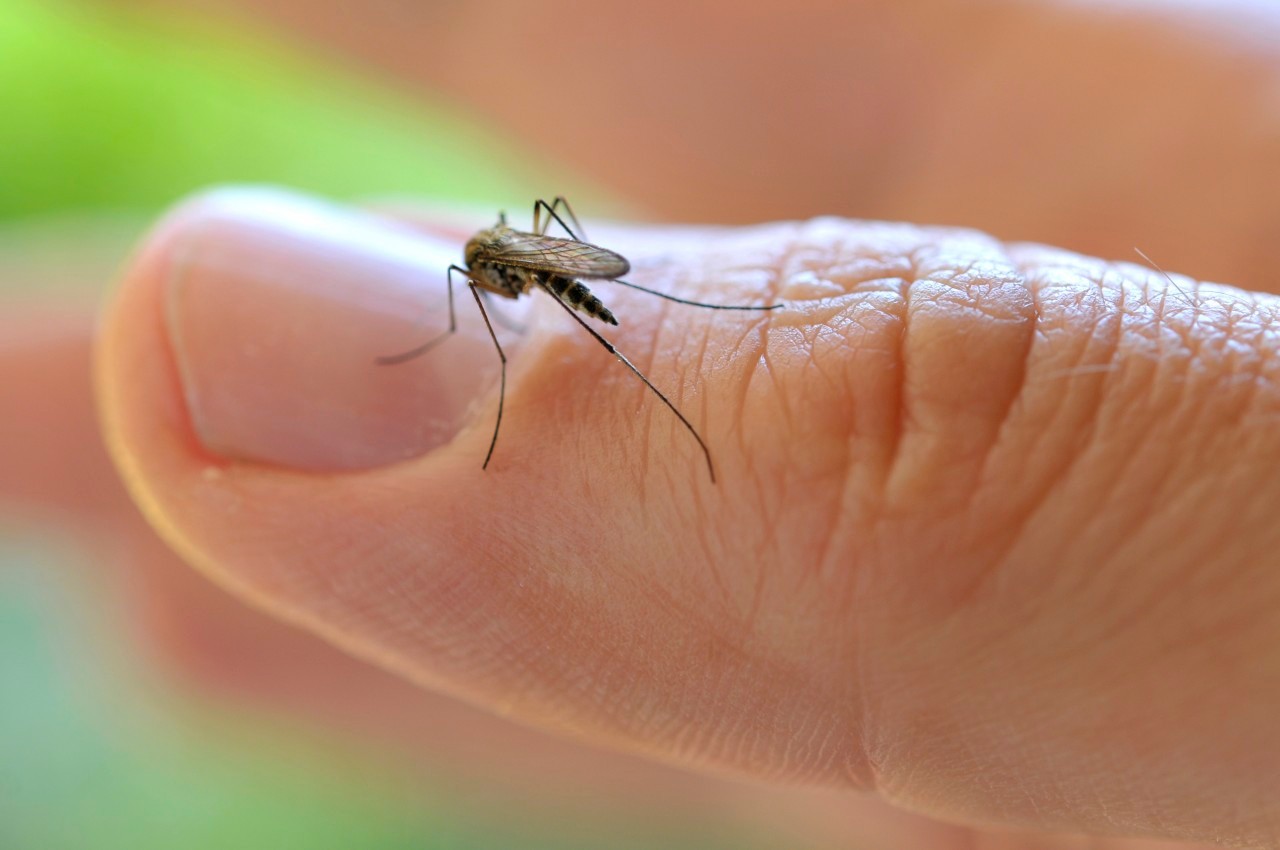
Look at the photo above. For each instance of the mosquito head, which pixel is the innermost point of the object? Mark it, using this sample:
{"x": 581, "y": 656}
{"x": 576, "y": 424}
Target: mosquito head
{"x": 483, "y": 244}
{"x": 475, "y": 245}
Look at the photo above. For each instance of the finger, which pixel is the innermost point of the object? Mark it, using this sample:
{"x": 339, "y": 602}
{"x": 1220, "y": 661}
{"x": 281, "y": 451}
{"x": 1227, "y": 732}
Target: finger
{"x": 52, "y": 460}
{"x": 54, "y": 468}
{"x": 969, "y": 499}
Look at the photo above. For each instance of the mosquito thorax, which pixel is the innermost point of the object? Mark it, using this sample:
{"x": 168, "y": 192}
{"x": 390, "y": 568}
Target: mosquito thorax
{"x": 484, "y": 243}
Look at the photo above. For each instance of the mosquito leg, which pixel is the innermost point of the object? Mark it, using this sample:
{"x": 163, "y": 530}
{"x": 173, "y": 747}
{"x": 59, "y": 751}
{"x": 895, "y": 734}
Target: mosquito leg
{"x": 540, "y": 224}
{"x": 562, "y": 201}
{"x": 618, "y": 354}
{"x": 501, "y": 317}
{"x": 692, "y": 303}
{"x": 502, "y": 391}
{"x": 406, "y": 356}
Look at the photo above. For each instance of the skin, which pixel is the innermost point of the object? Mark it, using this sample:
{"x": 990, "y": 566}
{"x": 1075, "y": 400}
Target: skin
{"x": 992, "y": 538}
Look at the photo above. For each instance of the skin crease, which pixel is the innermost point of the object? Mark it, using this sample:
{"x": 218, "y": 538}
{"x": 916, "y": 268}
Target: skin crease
{"x": 1050, "y": 694}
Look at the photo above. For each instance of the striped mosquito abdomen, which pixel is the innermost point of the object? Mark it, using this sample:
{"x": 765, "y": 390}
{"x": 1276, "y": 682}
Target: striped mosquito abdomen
{"x": 576, "y": 294}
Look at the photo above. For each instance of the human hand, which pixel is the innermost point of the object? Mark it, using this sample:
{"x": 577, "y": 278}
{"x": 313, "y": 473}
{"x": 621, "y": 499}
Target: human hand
{"x": 989, "y": 537}
{"x": 1063, "y": 194}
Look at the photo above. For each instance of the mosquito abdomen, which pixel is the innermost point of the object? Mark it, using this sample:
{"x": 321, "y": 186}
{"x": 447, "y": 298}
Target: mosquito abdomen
{"x": 576, "y": 294}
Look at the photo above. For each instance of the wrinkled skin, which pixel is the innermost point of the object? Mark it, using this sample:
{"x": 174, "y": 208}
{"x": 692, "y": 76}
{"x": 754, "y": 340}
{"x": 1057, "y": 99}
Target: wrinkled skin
{"x": 992, "y": 536}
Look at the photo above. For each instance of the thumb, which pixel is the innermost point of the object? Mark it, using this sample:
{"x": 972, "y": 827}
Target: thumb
{"x": 243, "y": 403}
{"x": 984, "y": 536}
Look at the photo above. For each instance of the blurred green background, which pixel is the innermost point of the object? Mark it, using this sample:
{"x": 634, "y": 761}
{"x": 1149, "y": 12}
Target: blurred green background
{"x": 106, "y": 117}
{"x": 107, "y": 110}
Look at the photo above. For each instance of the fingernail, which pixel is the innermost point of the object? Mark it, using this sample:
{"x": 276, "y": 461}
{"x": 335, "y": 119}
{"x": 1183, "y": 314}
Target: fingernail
{"x": 277, "y": 307}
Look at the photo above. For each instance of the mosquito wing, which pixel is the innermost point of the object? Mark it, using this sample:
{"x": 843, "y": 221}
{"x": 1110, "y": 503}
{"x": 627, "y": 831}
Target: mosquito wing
{"x": 566, "y": 257}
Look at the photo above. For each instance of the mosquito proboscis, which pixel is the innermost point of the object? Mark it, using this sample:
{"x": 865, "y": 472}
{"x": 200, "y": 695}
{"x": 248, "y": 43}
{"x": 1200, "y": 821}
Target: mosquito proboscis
{"x": 508, "y": 262}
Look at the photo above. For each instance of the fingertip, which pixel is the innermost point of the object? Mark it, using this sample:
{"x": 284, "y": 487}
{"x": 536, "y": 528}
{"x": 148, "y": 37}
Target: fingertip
{"x": 235, "y": 376}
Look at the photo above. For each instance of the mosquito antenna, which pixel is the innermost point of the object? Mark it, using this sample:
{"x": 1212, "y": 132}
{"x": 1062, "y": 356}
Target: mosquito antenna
{"x": 1167, "y": 276}
{"x": 618, "y": 354}
{"x": 692, "y": 303}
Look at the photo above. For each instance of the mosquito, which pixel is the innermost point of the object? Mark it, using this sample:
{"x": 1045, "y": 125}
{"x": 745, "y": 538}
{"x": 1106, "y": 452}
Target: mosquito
{"x": 508, "y": 262}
